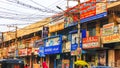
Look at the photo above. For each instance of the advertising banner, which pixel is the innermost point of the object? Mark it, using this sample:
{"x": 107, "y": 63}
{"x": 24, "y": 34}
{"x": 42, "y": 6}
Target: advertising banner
{"x": 41, "y": 51}
{"x": 89, "y": 10}
{"x": 29, "y": 51}
{"x": 91, "y": 42}
{"x": 23, "y": 52}
{"x": 110, "y": 33}
{"x": 74, "y": 42}
{"x": 111, "y": 38}
{"x": 53, "y": 45}
{"x": 36, "y": 50}
{"x": 108, "y": 29}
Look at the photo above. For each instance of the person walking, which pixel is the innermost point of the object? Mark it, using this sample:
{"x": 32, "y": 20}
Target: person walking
{"x": 44, "y": 65}
{"x": 26, "y": 66}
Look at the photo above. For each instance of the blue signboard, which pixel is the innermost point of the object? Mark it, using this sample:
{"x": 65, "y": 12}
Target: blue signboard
{"x": 93, "y": 17}
{"x": 41, "y": 51}
{"x": 74, "y": 40}
{"x": 53, "y": 45}
{"x": 52, "y": 49}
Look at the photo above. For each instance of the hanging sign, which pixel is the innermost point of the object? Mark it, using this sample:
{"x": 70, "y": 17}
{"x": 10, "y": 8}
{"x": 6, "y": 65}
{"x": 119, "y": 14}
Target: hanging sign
{"x": 41, "y": 51}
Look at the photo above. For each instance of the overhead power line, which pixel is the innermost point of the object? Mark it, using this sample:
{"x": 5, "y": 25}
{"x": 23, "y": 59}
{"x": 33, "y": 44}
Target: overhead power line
{"x": 32, "y": 7}
{"x": 42, "y": 6}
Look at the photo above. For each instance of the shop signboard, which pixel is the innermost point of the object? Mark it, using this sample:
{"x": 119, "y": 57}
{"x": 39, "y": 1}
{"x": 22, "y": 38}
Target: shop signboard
{"x": 91, "y": 42}
{"x": 57, "y": 23}
{"x": 66, "y": 47}
{"x": 29, "y": 51}
{"x": 53, "y": 45}
{"x": 23, "y": 52}
{"x": 41, "y": 51}
{"x": 111, "y": 38}
{"x": 21, "y": 46}
{"x": 74, "y": 42}
{"x": 38, "y": 43}
{"x": 89, "y": 10}
{"x": 110, "y": 33}
{"x": 35, "y": 50}
{"x": 108, "y": 29}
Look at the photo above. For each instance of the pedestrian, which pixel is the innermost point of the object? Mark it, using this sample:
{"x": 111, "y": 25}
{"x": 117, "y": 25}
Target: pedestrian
{"x": 26, "y": 66}
{"x": 44, "y": 65}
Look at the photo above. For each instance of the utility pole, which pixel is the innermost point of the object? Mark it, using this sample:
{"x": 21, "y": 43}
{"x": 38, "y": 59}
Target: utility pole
{"x": 16, "y": 44}
{"x": 79, "y": 29}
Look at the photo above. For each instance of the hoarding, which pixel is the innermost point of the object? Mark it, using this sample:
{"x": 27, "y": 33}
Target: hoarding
{"x": 89, "y": 10}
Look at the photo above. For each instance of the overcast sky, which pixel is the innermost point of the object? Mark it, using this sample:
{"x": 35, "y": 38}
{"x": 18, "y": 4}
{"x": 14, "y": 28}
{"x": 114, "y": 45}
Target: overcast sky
{"x": 25, "y": 12}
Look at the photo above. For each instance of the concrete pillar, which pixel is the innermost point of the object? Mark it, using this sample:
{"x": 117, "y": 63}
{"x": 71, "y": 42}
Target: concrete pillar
{"x": 111, "y": 57}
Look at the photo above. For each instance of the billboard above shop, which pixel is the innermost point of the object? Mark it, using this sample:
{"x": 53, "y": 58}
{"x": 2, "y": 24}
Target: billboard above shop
{"x": 89, "y": 10}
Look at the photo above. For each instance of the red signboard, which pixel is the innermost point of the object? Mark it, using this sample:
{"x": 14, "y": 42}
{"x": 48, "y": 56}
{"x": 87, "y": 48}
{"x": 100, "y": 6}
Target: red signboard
{"x": 88, "y": 8}
{"x": 29, "y": 51}
{"x": 23, "y": 52}
{"x": 91, "y": 42}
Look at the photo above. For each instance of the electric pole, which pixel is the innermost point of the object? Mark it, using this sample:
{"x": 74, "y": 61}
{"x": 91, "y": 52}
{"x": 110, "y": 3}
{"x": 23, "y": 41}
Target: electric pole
{"x": 79, "y": 29}
{"x": 16, "y": 41}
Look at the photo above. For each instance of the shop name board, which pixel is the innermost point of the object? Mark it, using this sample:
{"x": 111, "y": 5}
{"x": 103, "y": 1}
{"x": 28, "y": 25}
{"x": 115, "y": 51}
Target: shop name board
{"x": 52, "y": 50}
{"x": 41, "y": 51}
{"x": 53, "y": 45}
{"x": 89, "y": 10}
{"x": 91, "y": 42}
{"x": 111, "y": 38}
{"x": 108, "y": 29}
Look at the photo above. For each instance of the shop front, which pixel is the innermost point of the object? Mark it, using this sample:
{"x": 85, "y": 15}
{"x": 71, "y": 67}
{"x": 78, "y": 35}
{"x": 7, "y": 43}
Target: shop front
{"x": 52, "y": 47}
{"x": 111, "y": 41}
{"x": 91, "y": 45}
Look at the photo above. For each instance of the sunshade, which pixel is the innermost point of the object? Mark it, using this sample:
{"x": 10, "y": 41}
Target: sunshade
{"x": 81, "y": 62}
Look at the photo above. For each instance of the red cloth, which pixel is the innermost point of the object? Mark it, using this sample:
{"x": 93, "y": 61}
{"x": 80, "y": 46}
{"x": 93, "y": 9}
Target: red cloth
{"x": 44, "y": 65}
{"x": 25, "y": 66}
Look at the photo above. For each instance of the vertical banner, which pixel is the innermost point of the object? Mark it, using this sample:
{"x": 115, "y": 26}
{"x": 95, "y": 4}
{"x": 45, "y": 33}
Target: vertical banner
{"x": 41, "y": 51}
{"x": 45, "y": 32}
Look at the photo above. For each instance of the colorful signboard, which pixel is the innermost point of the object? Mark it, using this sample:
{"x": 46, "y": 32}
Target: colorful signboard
{"x": 110, "y": 33}
{"x": 35, "y": 50}
{"x": 56, "y": 27}
{"x": 22, "y": 52}
{"x": 53, "y": 45}
{"x": 41, "y": 51}
{"x": 111, "y": 38}
{"x": 74, "y": 42}
{"x": 91, "y": 42}
{"x": 29, "y": 51}
{"x": 38, "y": 43}
{"x": 108, "y": 29}
{"x": 89, "y": 10}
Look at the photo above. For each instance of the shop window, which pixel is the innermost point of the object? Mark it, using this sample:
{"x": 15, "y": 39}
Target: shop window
{"x": 92, "y": 28}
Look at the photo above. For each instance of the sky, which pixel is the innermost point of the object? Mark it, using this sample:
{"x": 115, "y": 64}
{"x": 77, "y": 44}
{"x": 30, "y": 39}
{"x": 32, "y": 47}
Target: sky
{"x": 22, "y": 13}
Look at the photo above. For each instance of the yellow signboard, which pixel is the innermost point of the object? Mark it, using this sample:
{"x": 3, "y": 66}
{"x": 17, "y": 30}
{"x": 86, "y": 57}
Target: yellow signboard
{"x": 111, "y": 38}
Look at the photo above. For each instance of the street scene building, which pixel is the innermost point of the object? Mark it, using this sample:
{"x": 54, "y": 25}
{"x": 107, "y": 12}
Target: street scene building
{"x": 55, "y": 39}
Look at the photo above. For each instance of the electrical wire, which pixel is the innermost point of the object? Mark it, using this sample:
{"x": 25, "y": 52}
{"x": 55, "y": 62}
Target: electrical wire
{"x": 30, "y": 6}
{"x": 42, "y": 5}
